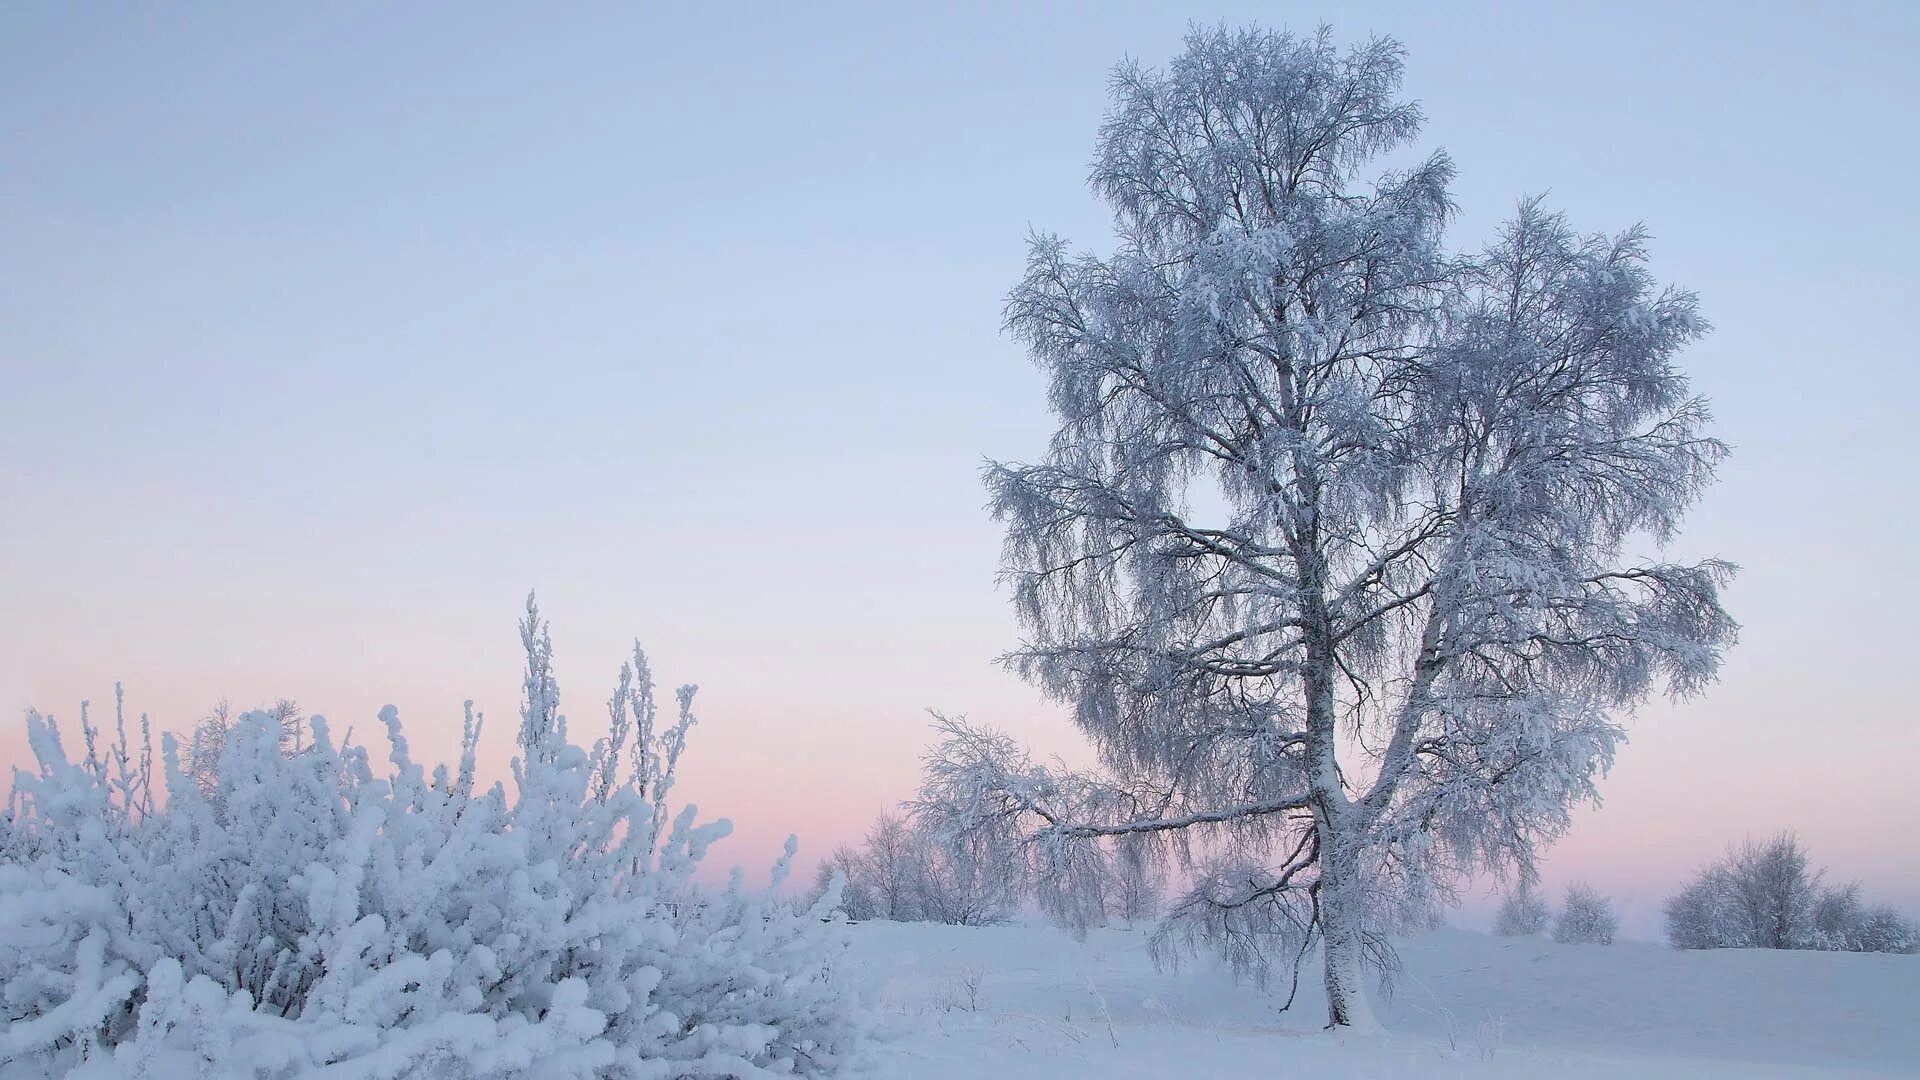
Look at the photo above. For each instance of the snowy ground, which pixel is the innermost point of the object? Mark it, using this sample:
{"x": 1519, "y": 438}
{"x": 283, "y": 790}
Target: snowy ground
{"x": 1024, "y": 1001}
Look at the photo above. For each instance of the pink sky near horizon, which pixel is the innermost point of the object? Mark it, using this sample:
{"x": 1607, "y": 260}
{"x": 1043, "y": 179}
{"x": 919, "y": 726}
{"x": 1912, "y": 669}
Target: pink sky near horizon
{"x": 785, "y": 753}
{"x": 331, "y": 333}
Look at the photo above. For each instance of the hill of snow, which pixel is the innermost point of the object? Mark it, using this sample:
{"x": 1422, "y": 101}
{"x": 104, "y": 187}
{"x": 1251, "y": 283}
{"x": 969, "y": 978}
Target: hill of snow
{"x": 1029, "y": 1001}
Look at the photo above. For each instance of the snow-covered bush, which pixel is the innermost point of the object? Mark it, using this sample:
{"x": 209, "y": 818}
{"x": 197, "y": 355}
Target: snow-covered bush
{"x": 1699, "y": 915}
{"x": 312, "y": 914}
{"x": 1523, "y": 912}
{"x": 1586, "y": 919}
{"x": 1767, "y": 896}
{"x": 1883, "y": 929}
{"x": 1844, "y": 923}
{"x": 1837, "y": 916}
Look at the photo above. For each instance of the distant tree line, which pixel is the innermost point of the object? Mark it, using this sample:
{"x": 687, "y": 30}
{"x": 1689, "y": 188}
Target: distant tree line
{"x": 1768, "y": 896}
{"x": 1763, "y": 895}
{"x": 905, "y": 872}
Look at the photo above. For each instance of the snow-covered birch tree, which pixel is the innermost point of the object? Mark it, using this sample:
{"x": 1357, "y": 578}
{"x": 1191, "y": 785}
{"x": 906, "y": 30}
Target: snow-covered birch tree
{"x": 1345, "y": 553}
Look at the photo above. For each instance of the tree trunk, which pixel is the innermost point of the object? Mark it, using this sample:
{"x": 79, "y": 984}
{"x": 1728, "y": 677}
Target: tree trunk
{"x": 1342, "y": 926}
{"x": 1339, "y": 822}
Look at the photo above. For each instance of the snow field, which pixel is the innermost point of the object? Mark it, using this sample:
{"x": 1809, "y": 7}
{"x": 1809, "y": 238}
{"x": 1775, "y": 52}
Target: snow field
{"x": 1029, "y": 1001}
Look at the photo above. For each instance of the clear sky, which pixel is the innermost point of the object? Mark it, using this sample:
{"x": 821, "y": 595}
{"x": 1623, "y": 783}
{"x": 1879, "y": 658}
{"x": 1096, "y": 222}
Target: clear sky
{"x": 327, "y": 332}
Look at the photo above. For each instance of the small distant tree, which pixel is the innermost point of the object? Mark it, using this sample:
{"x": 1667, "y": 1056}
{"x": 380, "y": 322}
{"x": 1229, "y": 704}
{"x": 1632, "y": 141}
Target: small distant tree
{"x": 1586, "y": 919}
{"x": 293, "y": 725}
{"x": 209, "y": 738}
{"x": 905, "y": 873}
{"x": 1139, "y": 891}
{"x": 207, "y": 743}
{"x": 892, "y": 867}
{"x": 1522, "y": 913}
{"x": 967, "y": 881}
{"x": 856, "y": 898}
{"x": 1776, "y": 892}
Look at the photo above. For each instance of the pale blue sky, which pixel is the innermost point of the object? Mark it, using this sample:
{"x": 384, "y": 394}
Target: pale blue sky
{"x": 326, "y": 333}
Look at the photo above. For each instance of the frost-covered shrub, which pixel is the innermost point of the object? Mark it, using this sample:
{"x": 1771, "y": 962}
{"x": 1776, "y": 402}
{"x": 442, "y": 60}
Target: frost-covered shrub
{"x": 1837, "y": 917}
{"x": 1883, "y": 929}
{"x": 1586, "y": 919}
{"x": 1699, "y": 915}
{"x": 310, "y": 914}
{"x": 1844, "y": 923}
{"x": 1522, "y": 913}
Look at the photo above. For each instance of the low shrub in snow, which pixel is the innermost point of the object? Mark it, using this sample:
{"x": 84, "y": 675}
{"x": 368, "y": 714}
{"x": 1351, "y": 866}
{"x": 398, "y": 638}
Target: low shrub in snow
{"x": 309, "y": 913}
{"x": 1587, "y": 918}
{"x": 1843, "y": 922}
